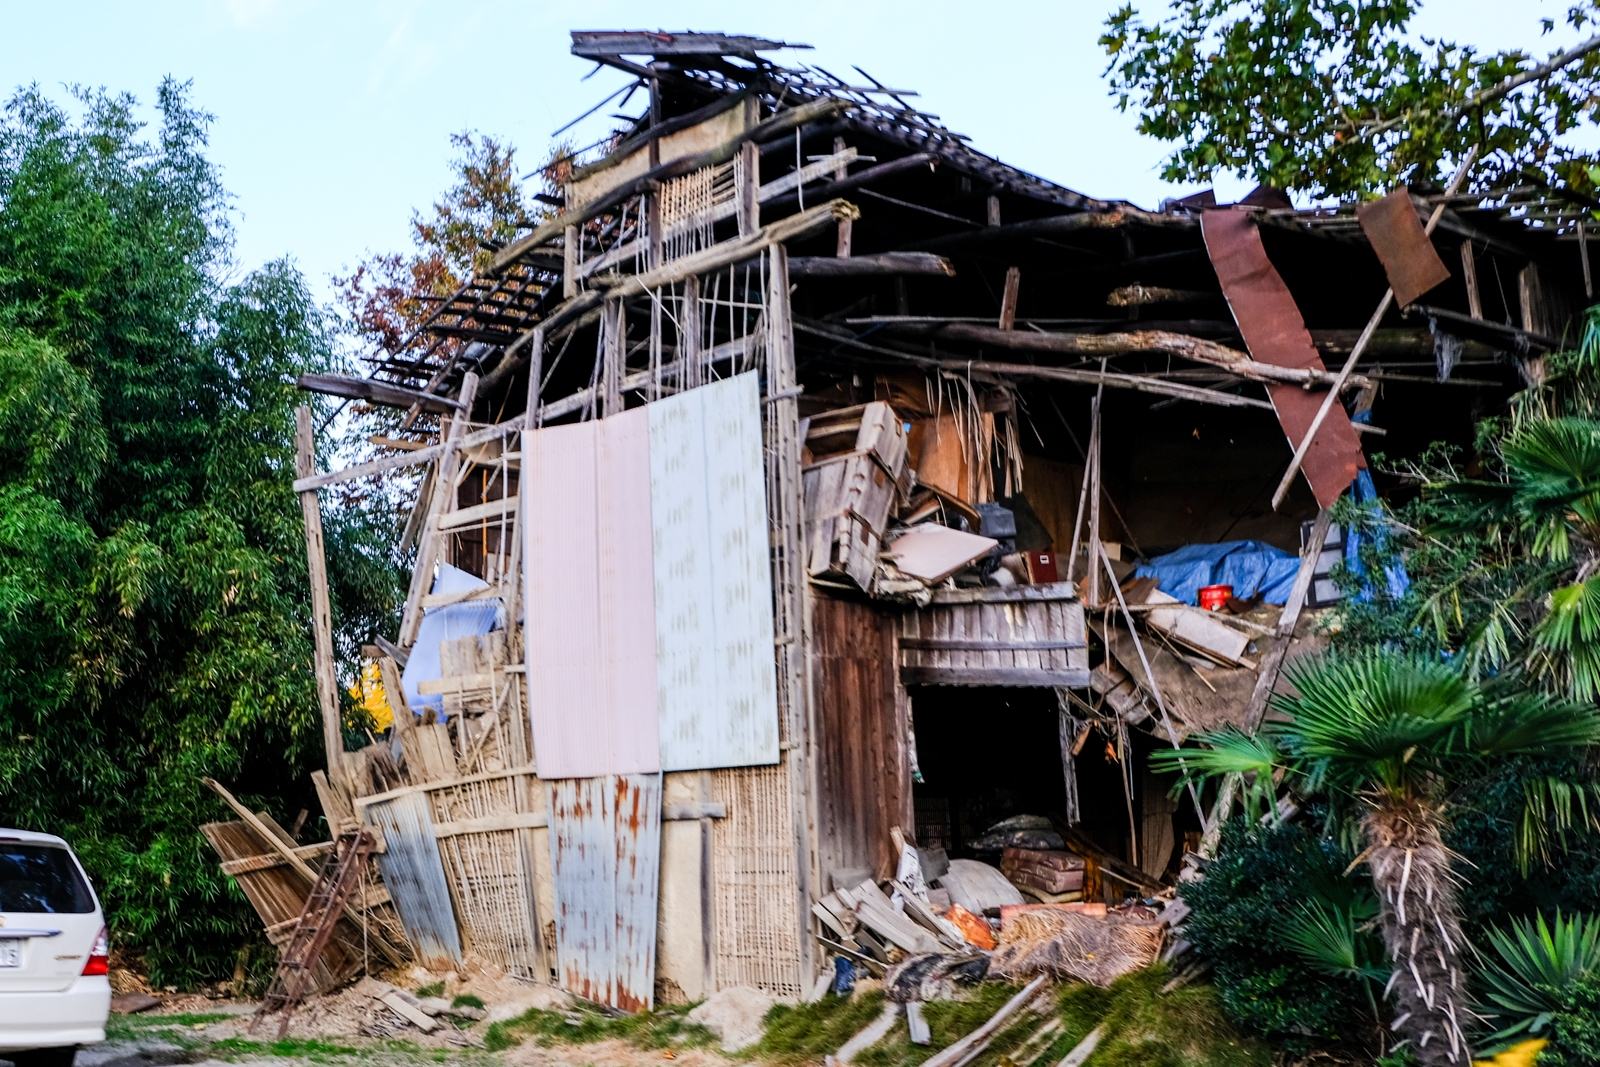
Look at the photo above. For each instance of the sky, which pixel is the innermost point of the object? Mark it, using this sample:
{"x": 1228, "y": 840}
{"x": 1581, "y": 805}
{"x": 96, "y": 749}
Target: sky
{"x": 332, "y": 120}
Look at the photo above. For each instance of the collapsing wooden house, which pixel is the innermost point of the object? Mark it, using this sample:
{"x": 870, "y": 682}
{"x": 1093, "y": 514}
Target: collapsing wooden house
{"x": 808, "y": 474}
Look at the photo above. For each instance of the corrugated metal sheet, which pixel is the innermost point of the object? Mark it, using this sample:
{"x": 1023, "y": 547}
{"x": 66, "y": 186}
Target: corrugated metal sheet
{"x": 1275, "y": 333}
{"x": 605, "y": 856}
{"x": 591, "y": 682}
{"x": 414, "y": 874}
{"x": 717, "y": 702}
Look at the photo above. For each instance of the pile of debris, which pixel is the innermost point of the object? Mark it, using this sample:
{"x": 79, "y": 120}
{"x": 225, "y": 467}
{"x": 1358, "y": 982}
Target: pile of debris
{"x": 940, "y": 925}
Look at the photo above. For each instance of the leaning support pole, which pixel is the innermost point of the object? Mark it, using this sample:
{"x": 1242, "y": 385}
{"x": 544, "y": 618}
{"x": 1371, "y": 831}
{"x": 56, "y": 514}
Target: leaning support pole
{"x": 305, "y": 465}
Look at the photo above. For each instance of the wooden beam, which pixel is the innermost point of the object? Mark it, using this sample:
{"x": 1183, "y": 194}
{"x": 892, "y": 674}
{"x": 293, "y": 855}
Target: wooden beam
{"x": 1059, "y": 226}
{"x": 375, "y": 392}
{"x": 305, "y": 463}
{"x": 1197, "y": 349}
{"x": 882, "y": 263}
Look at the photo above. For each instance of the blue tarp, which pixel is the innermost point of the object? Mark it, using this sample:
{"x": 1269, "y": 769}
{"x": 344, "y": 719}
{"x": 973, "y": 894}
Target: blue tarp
{"x": 472, "y": 618}
{"x": 1251, "y": 567}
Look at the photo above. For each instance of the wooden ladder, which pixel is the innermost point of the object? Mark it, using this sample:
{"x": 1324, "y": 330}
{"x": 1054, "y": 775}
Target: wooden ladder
{"x": 340, "y": 873}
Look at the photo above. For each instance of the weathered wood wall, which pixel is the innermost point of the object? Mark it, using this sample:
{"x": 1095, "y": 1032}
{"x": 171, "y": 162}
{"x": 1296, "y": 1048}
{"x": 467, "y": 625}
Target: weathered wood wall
{"x": 863, "y": 770}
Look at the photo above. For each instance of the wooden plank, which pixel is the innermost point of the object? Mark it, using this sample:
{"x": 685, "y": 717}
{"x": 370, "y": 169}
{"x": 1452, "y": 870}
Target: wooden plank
{"x": 503, "y": 510}
{"x": 1074, "y": 677}
{"x": 298, "y": 865}
{"x": 521, "y": 821}
{"x": 998, "y": 643}
{"x": 431, "y": 542}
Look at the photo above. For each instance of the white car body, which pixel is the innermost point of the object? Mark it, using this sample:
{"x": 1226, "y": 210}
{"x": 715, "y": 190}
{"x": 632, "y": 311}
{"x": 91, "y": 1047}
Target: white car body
{"x": 46, "y": 1001}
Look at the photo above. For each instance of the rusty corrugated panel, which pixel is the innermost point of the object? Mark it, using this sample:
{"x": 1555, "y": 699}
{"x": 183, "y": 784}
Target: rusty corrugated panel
{"x": 713, "y": 583}
{"x": 1275, "y": 333}
{"x": 589, "y": 632}
{"x": 605, "y": 851}
{"x": 1397, "y": 236}
{"x": 414, "y": 874}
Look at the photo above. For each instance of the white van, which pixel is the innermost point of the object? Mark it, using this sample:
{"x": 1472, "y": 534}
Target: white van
{"x": 54, "y": 993}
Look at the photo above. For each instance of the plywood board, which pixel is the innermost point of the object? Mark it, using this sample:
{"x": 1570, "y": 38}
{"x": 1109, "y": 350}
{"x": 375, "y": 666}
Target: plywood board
{"x": 717, "y": 688}
{"x": 589, "y": 594}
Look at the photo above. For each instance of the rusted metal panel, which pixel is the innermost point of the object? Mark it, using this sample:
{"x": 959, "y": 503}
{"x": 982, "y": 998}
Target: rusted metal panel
{"x": 717, "y": 703}
{"x": 637, "y": 804}
{"x": 863, "y": 763}
{"x": 589, "y": 595}
{"x": 605, "y": 855}
{"x": 1402, "y": 245}
{"x": 414, "y": 874}
{"x": 1275, "y": 333}
{"x": 1032, "y": 636}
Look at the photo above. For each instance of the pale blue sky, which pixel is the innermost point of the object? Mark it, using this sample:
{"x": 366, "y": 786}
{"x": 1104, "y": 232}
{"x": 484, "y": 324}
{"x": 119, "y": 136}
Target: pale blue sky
{"x": 332, "y": 119}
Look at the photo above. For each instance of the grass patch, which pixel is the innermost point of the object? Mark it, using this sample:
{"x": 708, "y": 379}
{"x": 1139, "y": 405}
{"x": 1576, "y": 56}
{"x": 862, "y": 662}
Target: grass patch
{"x": 660, "y": 1029}
{"x": 435, "y": 989}
{"x": 128, "y": 1026}
{"x": 313, "y": 1049}
{"x": 467, "y": 1000}
{"x": 1145, "y": 1028}
{"x": 811, "y": 1031}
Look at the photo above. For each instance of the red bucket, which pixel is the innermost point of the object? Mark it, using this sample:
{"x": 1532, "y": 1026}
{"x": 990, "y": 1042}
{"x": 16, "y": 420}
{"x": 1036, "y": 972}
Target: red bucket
{"x": 1215, "y": 597}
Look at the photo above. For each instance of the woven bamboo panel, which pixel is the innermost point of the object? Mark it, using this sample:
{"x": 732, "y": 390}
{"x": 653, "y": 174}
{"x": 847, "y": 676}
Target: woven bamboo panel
{"x": 491, "y": 873}
{"x": 757, "y": 884}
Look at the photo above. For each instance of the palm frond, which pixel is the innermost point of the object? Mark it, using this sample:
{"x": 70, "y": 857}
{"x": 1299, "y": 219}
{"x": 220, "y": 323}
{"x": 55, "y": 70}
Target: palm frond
{"x": 1538, "y": 963}
{"x": 1528, "y": 724}
{"x": 1566, "y": 642}
{"x": 1228, "y": 751}
{"x": 1329, "y": 938}
{"x": 1369, "y": 716}
{"x": 1552, "y": 806}
{"x": 1554, "y": 466}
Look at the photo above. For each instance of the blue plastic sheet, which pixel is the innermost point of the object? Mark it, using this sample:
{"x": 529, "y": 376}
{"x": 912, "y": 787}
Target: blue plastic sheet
{"x": 473, "y": 618}
{"x": 1395, "y": 579}
{"x": 1251, "y": 567}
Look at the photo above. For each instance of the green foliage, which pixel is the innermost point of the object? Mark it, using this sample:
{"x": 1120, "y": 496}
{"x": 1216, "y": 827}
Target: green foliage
{"x": 664, "y": 1028}
{"x": 432, "y": 989}
{"x": 1574, "y": 1029}
{"x": 154, "y": 625}
{"x": 466, "y": 1000}
{"x": 1147, "y": 1028}
{"x": 1252, "y": 890}
{"x": 1539, "y": 967}
{"x": 1338, "y": 97}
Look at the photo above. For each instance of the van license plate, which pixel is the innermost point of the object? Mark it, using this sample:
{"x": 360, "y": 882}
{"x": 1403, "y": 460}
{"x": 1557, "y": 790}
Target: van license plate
{"x": 11, "y": 953}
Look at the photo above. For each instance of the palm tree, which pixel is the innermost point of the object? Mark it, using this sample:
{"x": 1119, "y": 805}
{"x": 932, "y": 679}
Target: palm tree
{"x": 1384, "y": 737}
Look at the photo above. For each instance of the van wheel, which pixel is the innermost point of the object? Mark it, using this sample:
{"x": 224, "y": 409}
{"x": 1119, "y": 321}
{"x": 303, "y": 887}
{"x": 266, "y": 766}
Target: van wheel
{"x": 44, "y": 1057}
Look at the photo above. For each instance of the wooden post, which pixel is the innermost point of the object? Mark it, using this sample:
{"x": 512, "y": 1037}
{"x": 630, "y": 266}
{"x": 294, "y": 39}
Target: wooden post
{"x": 1008, "y": 299}
{"x": 749, "y": 184}
{"x": 613, "y": 352}
{"x": 444, "y": 500}
{"x": 993, "y": 216}
{"x": 1093, "y": 476}
{"x": 1583, "y": 254}
{"x": 1469, "y": 274}
{"x": 569, "y": 263}
{"x": 846, "y": 226}
{"x": 305, "y": 465}
{"x": 689, "y": 334}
